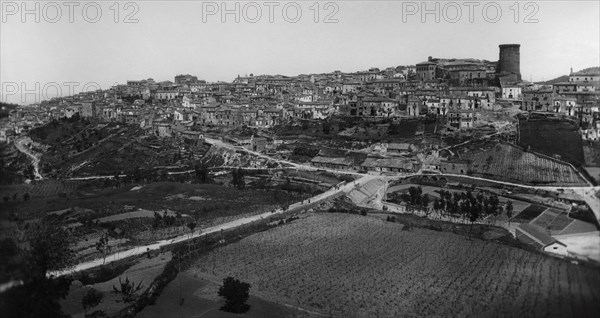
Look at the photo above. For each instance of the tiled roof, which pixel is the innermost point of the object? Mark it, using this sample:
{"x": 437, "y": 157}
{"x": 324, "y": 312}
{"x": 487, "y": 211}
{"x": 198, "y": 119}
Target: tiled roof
{"x": 336, "y": 161}
{"x": 387, "y": 163}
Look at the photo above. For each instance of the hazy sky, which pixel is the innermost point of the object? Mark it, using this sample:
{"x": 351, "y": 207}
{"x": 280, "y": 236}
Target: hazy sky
{"x": 173, "y": 37}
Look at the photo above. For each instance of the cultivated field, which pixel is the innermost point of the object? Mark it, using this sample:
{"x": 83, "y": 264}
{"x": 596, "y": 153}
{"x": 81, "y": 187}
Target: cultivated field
{"x": 552, "y": 136}
{"x": 359, "y": 266}
{"x": 510, "y": 163}
{"x": 40, "y": 189}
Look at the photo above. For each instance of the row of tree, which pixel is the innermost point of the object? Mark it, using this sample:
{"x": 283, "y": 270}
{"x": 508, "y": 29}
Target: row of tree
{"x": 465, "y": 204}
{"x": 199, "y": 175}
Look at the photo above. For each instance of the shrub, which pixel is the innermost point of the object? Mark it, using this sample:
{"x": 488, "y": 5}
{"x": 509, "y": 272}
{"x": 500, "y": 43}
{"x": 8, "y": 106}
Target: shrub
{"x": 91, "y": 299}
{"x": 128, "y": 290}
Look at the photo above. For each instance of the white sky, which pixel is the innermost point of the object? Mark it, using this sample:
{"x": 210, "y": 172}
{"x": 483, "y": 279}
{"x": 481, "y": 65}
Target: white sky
{"x": 170, "y": 38}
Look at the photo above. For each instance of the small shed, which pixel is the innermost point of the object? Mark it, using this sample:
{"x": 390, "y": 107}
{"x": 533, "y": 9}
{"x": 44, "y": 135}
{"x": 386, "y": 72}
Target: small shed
{"x": 538, "y": 238}
{"x": 399, "y": 147}
{"x": 557, "y": 248}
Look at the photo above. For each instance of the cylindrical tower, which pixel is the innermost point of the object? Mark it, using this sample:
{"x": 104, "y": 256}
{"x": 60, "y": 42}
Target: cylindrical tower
{"x": 509, "y": 61}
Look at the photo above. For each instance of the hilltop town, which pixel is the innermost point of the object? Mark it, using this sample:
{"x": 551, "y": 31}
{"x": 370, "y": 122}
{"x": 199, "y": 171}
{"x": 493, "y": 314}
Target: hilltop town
{"x": 428, "y": 106}
{"x": 154, "y": 169}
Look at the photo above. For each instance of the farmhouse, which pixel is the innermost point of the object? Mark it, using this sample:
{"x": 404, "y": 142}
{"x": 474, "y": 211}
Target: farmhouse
{"x": 388, "y": 165}
{"x": 333, "y": 163}
{"x": 454, "y": 166}
{"x": 258, "y": 144}
{"x": 536, "y": 237}
{"x": 399, "y": 148}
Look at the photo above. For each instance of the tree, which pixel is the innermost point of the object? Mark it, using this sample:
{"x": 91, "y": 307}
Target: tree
{"x": 236, "y": 293}
{"x": 473, "y": 213}
{"x": 136, "y": 175}
{"x": 191, "y": 225}
{"x": 437, "y": 204}
{"x": 304, "y": 125}
{"x": 116, "y": 180}
{"x": 494, "y": 202}
{"x": 9, "y": 252}
{"x": 26, "y": 196}
{"x": 415, "y": 195}
{"x": 326, "y": 128}
{"x": 509, "y": 210}
{"x": 91, "y": 299}
{"x": 238, "y": 178}
{"x": 48, "y": 250}
{"x": 127, "y": 289}
{"x": 103, "y": 247}
{"x": 156, "y": 222}
{"x": 425, "y": 201}
{"x": 201, "y": 173}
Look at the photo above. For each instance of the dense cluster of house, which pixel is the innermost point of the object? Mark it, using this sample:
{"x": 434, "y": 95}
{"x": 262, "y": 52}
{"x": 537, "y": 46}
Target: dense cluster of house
{"x": 453, "y": 88}
{"x": 394, "y": 158}
{"x": 579, "y": 97}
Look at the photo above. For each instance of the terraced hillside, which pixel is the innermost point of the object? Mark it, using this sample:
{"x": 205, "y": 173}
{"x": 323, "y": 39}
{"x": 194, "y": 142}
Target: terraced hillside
{"x": 509, "y": 163}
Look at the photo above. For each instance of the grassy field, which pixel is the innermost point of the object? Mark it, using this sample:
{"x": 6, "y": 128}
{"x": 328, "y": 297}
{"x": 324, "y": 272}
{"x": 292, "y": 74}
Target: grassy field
{"x": 200, "y": 300}
{"x": 356, "y": 266}
{"x": 143, "y": 272}
{"x": 199, "y": 200}
{"x": 127, "y": 216}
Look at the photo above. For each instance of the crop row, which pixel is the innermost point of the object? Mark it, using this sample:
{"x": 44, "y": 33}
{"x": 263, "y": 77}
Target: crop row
{"x": 510, "y": 162}
{"x": 351, "y": 265}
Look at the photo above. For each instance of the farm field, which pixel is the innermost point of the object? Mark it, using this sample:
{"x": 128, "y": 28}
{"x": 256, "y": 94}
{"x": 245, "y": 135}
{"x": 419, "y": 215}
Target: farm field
{"x": 359, "y": 266}
{"x": 530, "y": 213}
{"x": 41, "y": 189}
{"x": 552, "y": 136}
{"x": 553, "y": 220}
{"x": 509, "y": 163}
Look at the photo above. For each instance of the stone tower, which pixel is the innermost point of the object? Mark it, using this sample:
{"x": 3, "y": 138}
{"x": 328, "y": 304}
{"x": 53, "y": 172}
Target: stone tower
{"x": 509, "y": 61}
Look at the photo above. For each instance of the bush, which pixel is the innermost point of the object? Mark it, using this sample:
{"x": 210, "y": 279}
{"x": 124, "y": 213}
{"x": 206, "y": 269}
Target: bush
{"x": 91, "y": 299}
{"x": 127, "y": 290}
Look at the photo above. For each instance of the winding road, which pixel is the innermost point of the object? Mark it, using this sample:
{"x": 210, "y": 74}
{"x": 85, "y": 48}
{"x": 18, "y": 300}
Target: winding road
{"x": 138, "y": 250}
{"x": 20, "y": 143}
{"x": 588, "y": 193}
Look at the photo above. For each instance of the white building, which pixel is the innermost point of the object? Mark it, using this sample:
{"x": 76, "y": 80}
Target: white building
{"x": 512, "y": 92}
